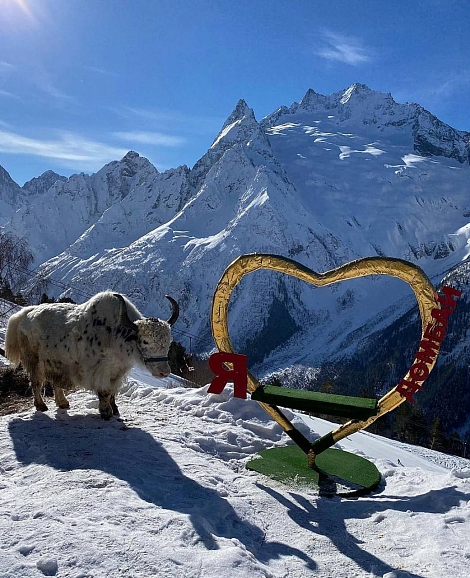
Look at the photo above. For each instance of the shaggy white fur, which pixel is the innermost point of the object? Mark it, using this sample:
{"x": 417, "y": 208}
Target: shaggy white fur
{"x": 92, "y": 346}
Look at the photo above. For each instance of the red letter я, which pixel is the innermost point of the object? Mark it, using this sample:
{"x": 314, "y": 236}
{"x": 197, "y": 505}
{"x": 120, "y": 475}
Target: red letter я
{"x": 223, "y": 374}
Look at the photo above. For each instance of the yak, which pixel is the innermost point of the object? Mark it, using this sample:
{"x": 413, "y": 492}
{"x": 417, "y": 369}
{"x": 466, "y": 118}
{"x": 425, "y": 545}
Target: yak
{"x": 92, "y": 346}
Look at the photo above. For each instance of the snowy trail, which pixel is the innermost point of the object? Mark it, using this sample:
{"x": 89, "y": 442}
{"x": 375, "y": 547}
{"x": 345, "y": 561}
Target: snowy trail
{"x": 164, "y": 492}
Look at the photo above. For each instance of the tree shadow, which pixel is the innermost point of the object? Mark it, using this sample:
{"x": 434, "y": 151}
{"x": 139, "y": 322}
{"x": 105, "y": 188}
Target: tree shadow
{"x": 85, "y": 442}
{"x": 327, "y": 517}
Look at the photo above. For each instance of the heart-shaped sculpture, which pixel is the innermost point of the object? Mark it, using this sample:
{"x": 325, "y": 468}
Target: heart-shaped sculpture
{"x": 411, "y": 274}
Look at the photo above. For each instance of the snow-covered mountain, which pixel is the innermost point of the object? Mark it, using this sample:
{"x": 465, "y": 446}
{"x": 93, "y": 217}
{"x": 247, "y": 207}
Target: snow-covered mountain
{"x": 360, "y": 105}
{"x": 324, "y": 181}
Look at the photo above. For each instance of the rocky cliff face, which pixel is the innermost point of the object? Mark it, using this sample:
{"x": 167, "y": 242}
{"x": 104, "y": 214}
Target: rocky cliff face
{"x": 40, "y": 185}
{"x": 10, "y": 194}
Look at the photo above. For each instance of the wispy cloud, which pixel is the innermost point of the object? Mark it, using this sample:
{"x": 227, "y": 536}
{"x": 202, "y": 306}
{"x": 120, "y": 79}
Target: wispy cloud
{"x": 102, "y": 71}
{"x": 8, "y": 94}
{"x": 169, "y": 120}
{"x": 6, "y": 67}
{"x": 153, "y": 138}
{"x": 36, "y": 75}
{"x": 452, "y": 85}
{"x": 69, "y": 149}
{"x": 46, "y": 83}
{"x": 346, "y": 49}
{"x": 436, "y": 91}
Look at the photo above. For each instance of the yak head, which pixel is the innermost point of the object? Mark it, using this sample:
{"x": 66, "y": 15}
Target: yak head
{"x": 153, "y": 337}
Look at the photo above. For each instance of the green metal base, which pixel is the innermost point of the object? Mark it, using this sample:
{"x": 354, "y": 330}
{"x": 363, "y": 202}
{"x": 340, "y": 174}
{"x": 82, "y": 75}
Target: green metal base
{"x": 336, "y": 472}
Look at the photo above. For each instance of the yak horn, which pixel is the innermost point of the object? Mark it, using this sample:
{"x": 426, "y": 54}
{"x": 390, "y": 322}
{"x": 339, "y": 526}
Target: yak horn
{"x": 124, "y": 320}
{"x": 175, "y": 312}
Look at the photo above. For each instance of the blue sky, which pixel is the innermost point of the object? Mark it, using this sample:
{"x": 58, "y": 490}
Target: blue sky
{"x": 84, "y": 81}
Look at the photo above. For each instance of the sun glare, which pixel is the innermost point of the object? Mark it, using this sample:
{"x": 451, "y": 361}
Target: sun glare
{"x": 13, "y": 10}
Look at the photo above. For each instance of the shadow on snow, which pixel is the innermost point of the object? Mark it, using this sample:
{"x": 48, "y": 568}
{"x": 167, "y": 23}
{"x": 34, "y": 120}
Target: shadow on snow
{"x": 327, "y": 517}
{"x": 69, "y": 443}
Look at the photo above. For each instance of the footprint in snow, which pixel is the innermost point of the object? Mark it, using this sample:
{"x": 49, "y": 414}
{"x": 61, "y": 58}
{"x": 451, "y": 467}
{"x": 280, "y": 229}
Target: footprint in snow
{"x": 48, "y": 566}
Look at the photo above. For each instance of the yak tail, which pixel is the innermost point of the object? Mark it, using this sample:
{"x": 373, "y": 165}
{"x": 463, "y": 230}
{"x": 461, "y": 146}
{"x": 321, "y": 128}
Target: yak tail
{"x": 12, "y": 344}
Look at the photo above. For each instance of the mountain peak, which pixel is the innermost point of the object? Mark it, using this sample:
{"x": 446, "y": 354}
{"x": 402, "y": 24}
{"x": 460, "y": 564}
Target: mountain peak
{"x": 356, "y": 93}
{"x": 238, "y": 126}
{"x": 311, "y": 99}
{"x": 40, "y": 185}
{"x": 241, "y": 112}
{"x": 130, "y": 164}
{"x": 130, "y": 156}
{"x": 358, "y": 89}
{"x": 5, "y": 178}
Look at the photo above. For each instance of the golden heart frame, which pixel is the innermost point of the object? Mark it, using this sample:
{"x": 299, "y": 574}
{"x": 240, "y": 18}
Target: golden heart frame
{"x": 245, "y": 264}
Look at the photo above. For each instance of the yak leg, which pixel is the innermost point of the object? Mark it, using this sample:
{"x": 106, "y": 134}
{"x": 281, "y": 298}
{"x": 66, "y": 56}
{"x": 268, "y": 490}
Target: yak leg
{"x": 57, "y": 380}
{"x": 35, "y": 371}
{"x": 114, "y": 407}
{"x": 106, "y": 411}
{"x": 38, "y": 400}
{"x": 116, "y": 384}
{"x": 60, "y": 400}
{"x": 36, "y": 386}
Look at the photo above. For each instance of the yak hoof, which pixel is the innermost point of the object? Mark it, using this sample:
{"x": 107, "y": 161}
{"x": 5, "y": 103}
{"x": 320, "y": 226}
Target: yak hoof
{"x": 107, "y": 413}
{"x": 40, "y": 406}
{"x": 65, "y": 405}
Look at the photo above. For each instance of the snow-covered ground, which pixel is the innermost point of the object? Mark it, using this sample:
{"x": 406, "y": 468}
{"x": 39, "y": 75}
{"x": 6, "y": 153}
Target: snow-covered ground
{"x": 163, "y": 491}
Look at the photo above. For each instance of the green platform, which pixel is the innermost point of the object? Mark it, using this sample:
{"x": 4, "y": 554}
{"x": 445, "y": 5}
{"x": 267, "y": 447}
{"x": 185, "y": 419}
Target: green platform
{"x": 315, "y": 402}
{"x": 336, "y": 472}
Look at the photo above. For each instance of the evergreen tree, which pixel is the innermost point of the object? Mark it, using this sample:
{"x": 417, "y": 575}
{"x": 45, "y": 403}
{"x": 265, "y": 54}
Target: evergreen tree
{"x": 418, "y": 426}
{"x": 46, "y": 299}
{"x": 66, "y": 300}
{"x": 402, "y": 421}
{"x": 178, "y": 358}
{"x": 410, "y": 425}
{"x": 436, "y": 436}
{"x": 455, "y": 444}
{"x": 466, "y": 444}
